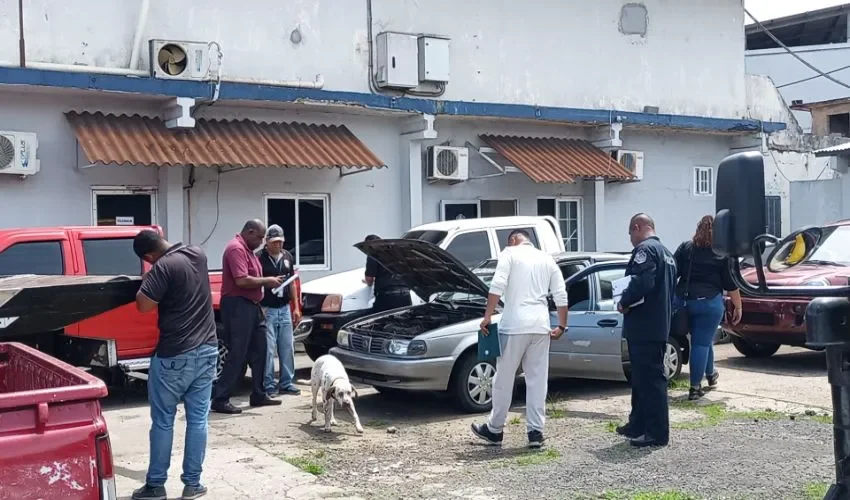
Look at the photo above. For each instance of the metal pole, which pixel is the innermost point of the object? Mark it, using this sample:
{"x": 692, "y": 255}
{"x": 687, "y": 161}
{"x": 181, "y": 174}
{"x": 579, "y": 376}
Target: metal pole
{"x": 22, "y": 47}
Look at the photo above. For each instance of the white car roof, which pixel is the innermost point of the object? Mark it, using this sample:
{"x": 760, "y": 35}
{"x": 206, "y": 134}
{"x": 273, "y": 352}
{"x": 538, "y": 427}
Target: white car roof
{"x": 487, "y": 222}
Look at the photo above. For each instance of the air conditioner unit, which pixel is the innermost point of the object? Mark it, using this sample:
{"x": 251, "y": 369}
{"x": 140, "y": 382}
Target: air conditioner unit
{"x": 631, "y": 161}
{"x": 176, "y": 60}
{"x": 18, "y": 153}
{"x": 448, "y": 163}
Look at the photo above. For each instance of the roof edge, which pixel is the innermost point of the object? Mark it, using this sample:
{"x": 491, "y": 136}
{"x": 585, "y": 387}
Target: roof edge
{"x": 256, "y": 92}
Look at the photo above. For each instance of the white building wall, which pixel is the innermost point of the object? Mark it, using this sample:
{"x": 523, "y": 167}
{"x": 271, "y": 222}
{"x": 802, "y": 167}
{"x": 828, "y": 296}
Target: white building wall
{"x": 567, "y": 53}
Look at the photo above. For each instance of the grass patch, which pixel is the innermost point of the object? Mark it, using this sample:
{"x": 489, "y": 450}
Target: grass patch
{"x": 514, "y": 421}
{"x": 815, "y": 491}
{"x": 309, "y": 463}
{"x": 715, "y": 413}
{"x": 377, "y": 423}
{"x": 553, "y": 412}
{"x": 538, "y": 457}
{"x": 611, "y": 426}
{"x": 823, "y": 419}
{"x": 644, "y": 495}
{"x": 679, "y": 384}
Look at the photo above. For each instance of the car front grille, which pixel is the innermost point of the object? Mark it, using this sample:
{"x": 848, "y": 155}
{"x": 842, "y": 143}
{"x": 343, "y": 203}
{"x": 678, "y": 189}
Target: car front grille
{"x": 365, "y": 343}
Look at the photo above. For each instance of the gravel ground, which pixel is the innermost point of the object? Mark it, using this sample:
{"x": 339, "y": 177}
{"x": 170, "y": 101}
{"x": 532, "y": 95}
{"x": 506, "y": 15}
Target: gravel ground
{"x": 737, "y": 456}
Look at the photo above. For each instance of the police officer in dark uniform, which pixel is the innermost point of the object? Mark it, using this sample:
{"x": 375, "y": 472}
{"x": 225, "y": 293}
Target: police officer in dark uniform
{"x": 390, "y": 292}
{"x": 646, "y": 305}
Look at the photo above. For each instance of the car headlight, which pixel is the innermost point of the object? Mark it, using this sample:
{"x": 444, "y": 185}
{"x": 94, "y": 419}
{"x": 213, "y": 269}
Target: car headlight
{"x": 405, "y": 347}
{"x": 332, "y": 303}
{"x": 342, "y": 338}
{"x": 817, "y": 282}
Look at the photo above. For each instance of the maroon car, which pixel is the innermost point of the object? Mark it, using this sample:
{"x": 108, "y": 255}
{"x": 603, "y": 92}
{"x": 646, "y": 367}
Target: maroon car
{"x": 768, "y": 323}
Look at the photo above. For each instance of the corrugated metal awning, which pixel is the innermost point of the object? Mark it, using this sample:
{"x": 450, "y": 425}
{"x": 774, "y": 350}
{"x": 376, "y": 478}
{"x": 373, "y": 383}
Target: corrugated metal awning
{"x": 137, "y": 140}
{"x": 557, "y": 160}
{"x": 839, "y": 150}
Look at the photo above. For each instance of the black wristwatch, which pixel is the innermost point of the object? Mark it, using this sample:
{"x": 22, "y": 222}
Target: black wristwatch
{"x": 563, "y": 328}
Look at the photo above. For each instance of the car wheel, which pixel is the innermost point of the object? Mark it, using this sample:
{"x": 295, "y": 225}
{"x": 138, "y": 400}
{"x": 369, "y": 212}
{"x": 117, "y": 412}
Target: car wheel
{"x": 315, "y": 351}
{"x": 673, "y": 359}
{"x": 753, "y": 349}
{"x": 472, "y": 384}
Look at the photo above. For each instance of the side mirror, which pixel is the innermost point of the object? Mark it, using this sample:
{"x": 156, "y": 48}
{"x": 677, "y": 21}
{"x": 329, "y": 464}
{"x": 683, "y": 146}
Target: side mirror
{"x": 740, "y": 206}
{"x": 794, "y": 248}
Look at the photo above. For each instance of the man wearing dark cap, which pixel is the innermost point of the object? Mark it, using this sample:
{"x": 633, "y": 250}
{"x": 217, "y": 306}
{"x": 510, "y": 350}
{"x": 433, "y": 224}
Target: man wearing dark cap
{"x": 242, "y": 285}
{"x": 184, "y": 365}
{"x": 279, "y": 321}
{"x": 390, "y": 292}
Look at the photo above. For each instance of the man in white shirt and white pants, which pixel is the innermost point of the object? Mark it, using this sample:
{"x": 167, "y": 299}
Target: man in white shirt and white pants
{"x": 524, "y": 277}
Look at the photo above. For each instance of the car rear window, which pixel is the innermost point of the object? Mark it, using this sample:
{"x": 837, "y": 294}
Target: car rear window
{"x": 34, "y": 257}
{"x": 114, "y": 256}
{"x": 435, "y": 237}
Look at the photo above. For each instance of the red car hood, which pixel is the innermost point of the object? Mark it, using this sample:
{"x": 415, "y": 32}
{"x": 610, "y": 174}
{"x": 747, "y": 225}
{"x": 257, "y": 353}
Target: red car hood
{"x": 795, "y": 276}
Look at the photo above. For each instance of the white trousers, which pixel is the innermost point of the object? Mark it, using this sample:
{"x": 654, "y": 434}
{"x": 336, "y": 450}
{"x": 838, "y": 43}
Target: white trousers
{"x": 532, "y": 352}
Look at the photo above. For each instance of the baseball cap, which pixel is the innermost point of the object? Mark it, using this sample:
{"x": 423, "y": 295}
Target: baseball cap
{"x": 274, "y": 233}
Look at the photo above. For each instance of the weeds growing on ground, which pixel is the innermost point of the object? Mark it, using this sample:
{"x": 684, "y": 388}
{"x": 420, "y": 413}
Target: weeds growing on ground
{"x": 538, "y": 457}
{"x": 642, "y": 495}
{"x": 679, "y": 384}
{"x": 815, "y": 491}
{"x": 715, "y": 413}
{"x": 514, "y": 421}
{"x": 309, "y": 463}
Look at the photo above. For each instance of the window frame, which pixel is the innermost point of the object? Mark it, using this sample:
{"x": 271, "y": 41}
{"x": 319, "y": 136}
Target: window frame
{"x": 777, "y": 201}
{"x": 477, "y": 203}
{"x": 579, "y": 217}
{"x": 151, "y": 191}
{"x": 514, "y": 200}
{"x": 698, "y": 180}
{"x": 296, "y": 197}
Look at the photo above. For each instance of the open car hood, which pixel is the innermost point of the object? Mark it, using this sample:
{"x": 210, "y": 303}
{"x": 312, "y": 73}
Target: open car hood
{"x": 32, "y": 304}
{"x": 424, "y": 267}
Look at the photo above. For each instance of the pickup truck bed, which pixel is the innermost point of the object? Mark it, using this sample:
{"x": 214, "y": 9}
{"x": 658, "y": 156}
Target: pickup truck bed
{"x": 53, "y": 437}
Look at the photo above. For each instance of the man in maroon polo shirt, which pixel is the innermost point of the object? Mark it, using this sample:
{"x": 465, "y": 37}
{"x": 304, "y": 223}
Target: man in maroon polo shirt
{"x": 242, "y": 285}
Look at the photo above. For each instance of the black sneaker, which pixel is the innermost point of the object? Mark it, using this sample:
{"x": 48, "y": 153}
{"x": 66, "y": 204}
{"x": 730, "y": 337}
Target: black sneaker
{"x": 695, "y": 393}
{"x": 712, "y": 380}
{"x": 290, "y": 391}
{"x": 626, "y": 431}
{"x": 226, "y": 408}
{"x": 265, "y": 401}
{"x": 483, "y": 431}
{"x": 193, "y": 492}
{"x": 535, "y": 439}
{"x": 148, "y": 492}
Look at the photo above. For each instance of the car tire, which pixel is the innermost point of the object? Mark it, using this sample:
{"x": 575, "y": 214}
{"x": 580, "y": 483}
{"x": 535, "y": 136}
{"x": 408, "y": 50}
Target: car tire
{"x": 753, "y": 349}
{"x": 461, "y": 388}
{"x": 314, "y": 351}
{"x": 674, "y": 358}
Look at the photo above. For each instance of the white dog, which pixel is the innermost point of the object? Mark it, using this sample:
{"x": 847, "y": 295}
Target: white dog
{"x": 329, "y": 375}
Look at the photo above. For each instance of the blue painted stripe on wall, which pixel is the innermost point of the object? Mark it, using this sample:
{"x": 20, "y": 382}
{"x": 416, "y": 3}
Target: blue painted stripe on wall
{"x": 254, "y": 92}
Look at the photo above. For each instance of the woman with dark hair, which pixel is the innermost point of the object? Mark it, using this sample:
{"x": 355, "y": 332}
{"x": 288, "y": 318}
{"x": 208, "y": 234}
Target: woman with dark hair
{"x": 703, "y": 277}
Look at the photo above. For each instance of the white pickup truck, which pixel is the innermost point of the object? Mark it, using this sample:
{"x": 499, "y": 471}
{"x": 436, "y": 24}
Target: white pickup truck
{"x": 334, "y": 300}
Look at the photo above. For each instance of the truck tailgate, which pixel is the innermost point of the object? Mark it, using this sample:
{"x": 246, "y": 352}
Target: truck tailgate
{"x": 50, "y": 423}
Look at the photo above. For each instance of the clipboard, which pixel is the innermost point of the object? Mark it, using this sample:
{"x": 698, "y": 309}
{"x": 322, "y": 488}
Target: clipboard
{"x": 489, "y": 347}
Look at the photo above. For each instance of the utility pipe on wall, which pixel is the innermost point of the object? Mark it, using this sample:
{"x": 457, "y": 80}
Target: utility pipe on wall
{"x": 137, "y": 37}
{"x": 22, "y": 46}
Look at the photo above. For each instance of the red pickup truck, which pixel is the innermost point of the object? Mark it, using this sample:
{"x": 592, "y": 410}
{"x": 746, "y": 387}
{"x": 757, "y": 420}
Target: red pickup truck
{"x": 53, "y": 438}
{"x": 115, "y": 344}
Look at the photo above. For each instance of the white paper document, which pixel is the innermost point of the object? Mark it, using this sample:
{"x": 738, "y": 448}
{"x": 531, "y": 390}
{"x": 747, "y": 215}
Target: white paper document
{"x": 279, "y": 290}
{"x": 619, "y": 286}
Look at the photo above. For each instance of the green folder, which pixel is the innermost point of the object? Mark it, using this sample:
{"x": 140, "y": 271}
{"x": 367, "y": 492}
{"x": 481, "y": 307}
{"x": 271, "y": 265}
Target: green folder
{"x": 489, "y": 347}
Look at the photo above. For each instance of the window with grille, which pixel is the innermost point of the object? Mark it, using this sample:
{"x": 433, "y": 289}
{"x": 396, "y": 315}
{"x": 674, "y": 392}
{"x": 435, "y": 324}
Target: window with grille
{"x": 703, "y": 181}
{"x": 773, "y": 215}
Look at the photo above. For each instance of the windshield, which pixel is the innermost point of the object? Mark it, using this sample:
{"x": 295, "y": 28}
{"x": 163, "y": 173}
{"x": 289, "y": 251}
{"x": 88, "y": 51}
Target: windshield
{"x": 484, "y": 272}
{"x": 835, "y": 248}
{"x": 435, "y": 237}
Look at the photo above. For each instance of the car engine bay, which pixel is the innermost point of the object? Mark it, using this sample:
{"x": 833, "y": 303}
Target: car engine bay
{"x": 414, "y": 321}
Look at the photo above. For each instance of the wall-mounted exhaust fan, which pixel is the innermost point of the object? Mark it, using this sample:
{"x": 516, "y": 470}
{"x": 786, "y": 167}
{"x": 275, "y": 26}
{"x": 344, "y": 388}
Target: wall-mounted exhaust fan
{"x": 172, "y": 59}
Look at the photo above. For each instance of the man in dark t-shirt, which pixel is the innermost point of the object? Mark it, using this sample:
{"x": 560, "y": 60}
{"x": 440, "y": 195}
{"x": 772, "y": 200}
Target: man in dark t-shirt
{"x": 390, "y": 292}
{"x": 184, "y": 365}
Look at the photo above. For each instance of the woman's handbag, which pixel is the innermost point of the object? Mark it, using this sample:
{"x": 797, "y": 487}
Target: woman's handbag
{"x": 680, "y": 322}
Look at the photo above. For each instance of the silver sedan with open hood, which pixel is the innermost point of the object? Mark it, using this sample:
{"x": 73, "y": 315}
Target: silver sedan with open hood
{"x": 433, "y": 346}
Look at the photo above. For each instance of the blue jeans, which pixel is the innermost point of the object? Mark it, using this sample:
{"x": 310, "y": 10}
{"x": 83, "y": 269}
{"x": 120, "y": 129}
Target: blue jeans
{"x": 187, "y": 377}
{"x": 704, "y": 316}
{"x": 280, "y": 342}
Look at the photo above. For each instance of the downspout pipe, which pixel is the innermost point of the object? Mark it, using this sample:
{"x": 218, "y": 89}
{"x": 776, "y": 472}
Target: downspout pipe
{"x": 22, "y": 46}
{"x": 144, "y": 8}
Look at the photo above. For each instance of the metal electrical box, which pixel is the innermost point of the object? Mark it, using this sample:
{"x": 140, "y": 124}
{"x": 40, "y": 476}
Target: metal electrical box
{"x": 433, "y": 58}
{"x": 397, "y": 60}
